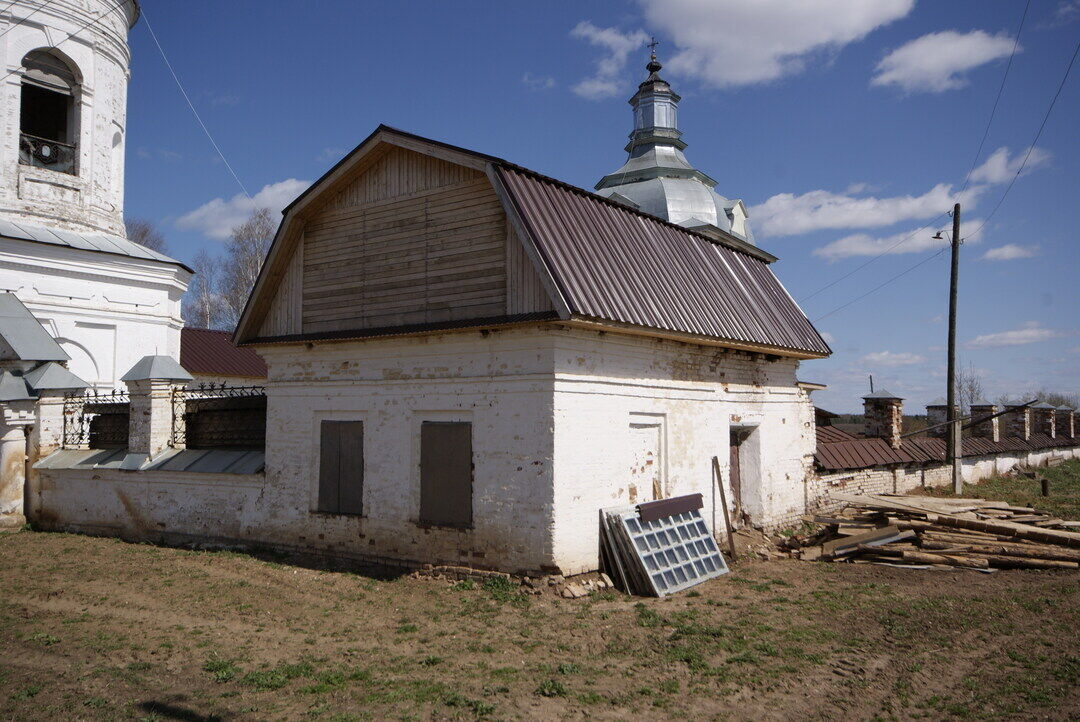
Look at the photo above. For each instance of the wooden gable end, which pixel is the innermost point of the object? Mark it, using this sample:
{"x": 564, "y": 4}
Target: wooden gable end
{"x": 415, "y": 239}
{"x": 410, "y": 239}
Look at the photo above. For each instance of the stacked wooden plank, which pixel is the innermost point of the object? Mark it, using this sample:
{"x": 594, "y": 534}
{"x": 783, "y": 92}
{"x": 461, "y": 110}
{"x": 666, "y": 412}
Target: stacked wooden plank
{"x": 934, "y": 532}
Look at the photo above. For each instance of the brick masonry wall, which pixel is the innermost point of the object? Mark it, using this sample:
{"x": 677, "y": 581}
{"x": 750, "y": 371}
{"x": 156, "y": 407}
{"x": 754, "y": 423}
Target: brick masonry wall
{"x": 606, "y": 385}
{"x": 553, "y": 413}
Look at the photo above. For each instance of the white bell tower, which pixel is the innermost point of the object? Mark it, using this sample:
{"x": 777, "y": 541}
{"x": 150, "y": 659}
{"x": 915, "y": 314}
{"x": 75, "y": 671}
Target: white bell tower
{"x": 63, "y": 105}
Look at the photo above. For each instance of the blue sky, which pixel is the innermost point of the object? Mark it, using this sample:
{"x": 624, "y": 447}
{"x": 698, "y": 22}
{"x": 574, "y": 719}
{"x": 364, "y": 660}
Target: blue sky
{"x": 844, "y": 126}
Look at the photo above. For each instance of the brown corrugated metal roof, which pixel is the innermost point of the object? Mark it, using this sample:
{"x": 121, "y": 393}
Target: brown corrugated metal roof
{"x": 859, "y": 454}
{"x": 925, "y": 449}
{"x": 212, "y": 353}
{"x": 831, "y": 434}
{"x": 834, "y": 455}
{"x": 612, "y": 263}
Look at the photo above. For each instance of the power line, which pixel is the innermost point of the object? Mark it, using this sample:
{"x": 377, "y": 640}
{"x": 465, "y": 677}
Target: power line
{"x": 1001, "y": 89}
{"x": 26, "y": 17}
{"x": 867, "y": 263}
{"x": 1001, "y": 200}
{"x": 94, "y": 21}
{"x": 1038, "y": 134}
{"x": 192, "y": 106}
{"x": 967, "y": 177}
{"x": 880, "y": 286}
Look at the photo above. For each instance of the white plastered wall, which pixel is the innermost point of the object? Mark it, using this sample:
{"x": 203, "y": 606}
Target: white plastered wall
{"x": 500, "y": 382}
{"x": 107, "y": 311}
{"x": 606, "y": 382}
{"x": 559, "y": 416}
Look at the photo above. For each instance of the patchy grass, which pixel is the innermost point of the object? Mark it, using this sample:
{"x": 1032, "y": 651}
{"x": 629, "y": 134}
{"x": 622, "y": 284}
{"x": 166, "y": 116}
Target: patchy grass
{"x": 1064, "y": 499}
{"x": 95, "y": 628}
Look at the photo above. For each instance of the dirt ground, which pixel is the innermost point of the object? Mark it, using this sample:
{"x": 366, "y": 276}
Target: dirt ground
{"x": 96, "y": 628}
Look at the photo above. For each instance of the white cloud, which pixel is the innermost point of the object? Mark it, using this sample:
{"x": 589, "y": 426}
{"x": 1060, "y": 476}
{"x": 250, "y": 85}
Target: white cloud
{"x": 788, "y": 214}
{"x": 160, "y": 153}
{"x": 1030, "y": 332}
{"x": 1010, "y": 252}
{"x": 606, "y": 81}
{"x": 888, "y": 358}
{"x": 330, "y": 154}
{"x": 1000, "y": 168}
{"x": 828, "y": 337}
{"x": 218, "y": 217}
{"x": 729, "y": 43}
{"x": 538, "y": 82}
{"x": 936, "y": 62}
{"x": 910, "y": 241}
{"x": 1067, "y": 11}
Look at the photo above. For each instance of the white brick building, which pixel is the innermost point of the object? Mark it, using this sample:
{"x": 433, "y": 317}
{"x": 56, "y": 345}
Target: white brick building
{"x": 64, "y": 260}
{"x": 422, "y": 299}
{"x": 63, "y": 107}
{"x": 468, "y": 360}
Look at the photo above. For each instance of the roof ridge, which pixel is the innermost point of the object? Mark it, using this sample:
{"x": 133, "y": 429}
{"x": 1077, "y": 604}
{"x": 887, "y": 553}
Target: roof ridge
{"x": 209, "y": 330}
{"x": 734, "y": 244}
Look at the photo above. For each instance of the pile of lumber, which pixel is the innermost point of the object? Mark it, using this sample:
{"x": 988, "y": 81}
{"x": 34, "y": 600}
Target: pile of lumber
{"x": 932, "y": 532}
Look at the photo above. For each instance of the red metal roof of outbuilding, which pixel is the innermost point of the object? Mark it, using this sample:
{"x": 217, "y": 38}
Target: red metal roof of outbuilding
{"x": 212, "y": 353}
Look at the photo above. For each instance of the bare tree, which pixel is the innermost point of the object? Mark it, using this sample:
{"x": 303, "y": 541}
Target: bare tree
{"x": 1055, "y": 398}
{"x": 145, "y": 233}
{"x": 203, "y": 305}
{"x": 245, "y": 252}
{"x": 969, "y": 387}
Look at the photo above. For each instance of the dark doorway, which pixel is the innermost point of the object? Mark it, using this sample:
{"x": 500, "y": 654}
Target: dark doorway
{"x": 736, "y": 471}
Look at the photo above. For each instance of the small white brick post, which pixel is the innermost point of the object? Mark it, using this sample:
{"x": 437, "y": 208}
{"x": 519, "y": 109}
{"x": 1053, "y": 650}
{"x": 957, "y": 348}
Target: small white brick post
{"x": 150, "y": 383}
{"x": 45, "y": 437}
{"x": 15, "y": 416}
{"x": 50, "y": 381}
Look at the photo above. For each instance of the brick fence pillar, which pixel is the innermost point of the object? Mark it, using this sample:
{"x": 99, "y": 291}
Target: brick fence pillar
{"x": 884, "y": 413}
{"x": 150, "y": 383}
{"x": 1042, "y": 419}
{"x": 937, "y": 412}
{"x": 988, "y": 429}
{"x": 1018, "y": 421}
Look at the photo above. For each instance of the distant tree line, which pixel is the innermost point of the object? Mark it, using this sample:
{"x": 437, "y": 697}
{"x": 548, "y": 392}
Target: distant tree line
{"x": 223, "y": 281}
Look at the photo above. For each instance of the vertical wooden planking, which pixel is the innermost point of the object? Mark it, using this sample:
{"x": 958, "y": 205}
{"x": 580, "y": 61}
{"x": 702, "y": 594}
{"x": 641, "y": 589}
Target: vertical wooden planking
{"x": 446, "y": 473}
{"x": 525, "y": 292}
{"x": 284, "y": 315}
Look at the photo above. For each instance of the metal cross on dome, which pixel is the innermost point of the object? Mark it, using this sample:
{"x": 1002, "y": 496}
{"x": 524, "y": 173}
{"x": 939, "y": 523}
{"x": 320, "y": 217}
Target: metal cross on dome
{"x": 652, "y": 45}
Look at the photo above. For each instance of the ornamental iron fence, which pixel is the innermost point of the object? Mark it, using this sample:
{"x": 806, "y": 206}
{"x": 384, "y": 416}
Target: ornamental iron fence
{"x": 217, "y": 416}
{"x": 96, "y": 420}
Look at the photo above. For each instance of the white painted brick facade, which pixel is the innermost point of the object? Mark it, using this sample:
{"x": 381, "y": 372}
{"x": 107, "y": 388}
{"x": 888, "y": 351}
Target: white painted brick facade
{"x": 551, "y": 411}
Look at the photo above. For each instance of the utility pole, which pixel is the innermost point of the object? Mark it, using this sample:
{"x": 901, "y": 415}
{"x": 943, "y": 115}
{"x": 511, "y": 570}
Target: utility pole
{"x": 952, "y": 439}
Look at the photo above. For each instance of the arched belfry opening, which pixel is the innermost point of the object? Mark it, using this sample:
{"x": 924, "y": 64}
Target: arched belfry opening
{"x": 47, "y": 115}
